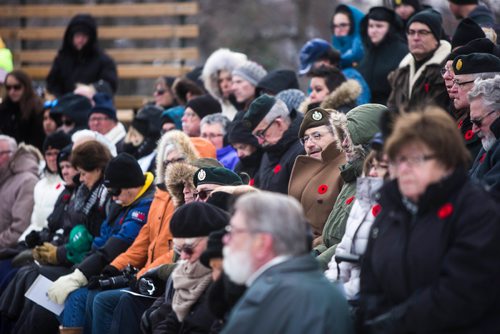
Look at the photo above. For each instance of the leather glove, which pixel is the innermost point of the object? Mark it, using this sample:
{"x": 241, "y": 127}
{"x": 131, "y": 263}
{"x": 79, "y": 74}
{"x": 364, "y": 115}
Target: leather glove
{"x": 64, "y": 285}
{"x": 150, "y": 284}
{"x": 32, "y": 239}
{"x": 47, "y": 253}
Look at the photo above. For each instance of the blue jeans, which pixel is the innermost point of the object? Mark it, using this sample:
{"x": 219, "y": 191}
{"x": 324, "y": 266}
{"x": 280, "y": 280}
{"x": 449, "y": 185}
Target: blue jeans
{"x": 103, "y": 306}
{"x": 74, "y": 308}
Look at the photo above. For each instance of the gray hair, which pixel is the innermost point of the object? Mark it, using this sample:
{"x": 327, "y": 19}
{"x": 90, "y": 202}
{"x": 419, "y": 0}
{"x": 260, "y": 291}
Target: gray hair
{"x": 279, "y": 109}
{"x": 217, "y": 118}
{"x": 487, "y": 89}
{"x": 280, "y": 215}
{"x": 11, "y": 141}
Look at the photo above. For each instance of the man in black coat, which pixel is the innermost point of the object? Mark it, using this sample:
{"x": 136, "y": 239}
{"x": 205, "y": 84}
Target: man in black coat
{"x": 277, "y": 131}
{"x": 80, "y": 60}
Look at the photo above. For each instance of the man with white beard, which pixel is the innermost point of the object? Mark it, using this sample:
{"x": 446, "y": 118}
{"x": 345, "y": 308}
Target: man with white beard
{"x": 267, "y": 249}
{"x": 484, "y": 110}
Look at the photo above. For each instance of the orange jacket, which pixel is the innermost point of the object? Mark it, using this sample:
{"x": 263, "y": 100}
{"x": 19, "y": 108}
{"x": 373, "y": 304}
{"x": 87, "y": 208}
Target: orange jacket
{"x": 153, "y": 246}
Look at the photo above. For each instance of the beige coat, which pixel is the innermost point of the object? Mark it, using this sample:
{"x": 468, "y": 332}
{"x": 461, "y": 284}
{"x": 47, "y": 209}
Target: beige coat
{"x": 316, "y": 184}
{"x": 17, "y": 182}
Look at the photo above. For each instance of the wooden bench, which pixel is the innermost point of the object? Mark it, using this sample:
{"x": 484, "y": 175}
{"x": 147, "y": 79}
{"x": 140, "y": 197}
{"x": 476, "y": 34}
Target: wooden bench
{"x": 25, "y": 27}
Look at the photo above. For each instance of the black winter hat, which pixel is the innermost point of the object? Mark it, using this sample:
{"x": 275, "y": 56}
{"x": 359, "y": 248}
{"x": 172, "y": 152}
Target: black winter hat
{"x": 57, "y": 140}
{"x": 123, "y": 171}
{"x": 104, "y": 105}
{"x": 197, "y": 219}
{"x": 258, "y": 110}
{"x": 148, "y": 121}
{"x": 414, "y": 3}
{"x": 204, "y": 105}
{"x": 64, "y": 155}
{"x": 238, "y": 133}
{"x": 476, "y": 63}
{"x": 464, "y": 2}
{"x": 214, "y": 247}
{"x": 430, "y": 18}
{"x": 216, "y": 175}
{"x": 480, "y": 45}
{"x": 277, "y": 81}
{"x": 466, "y": 31}
{"x": 76, "y": 107}
{"x": 381, "y": 14}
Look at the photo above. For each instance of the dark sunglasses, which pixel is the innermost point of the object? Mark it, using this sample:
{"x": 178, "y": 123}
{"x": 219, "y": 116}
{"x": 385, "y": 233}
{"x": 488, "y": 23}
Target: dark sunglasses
{"x": 478, "y": 122}
{"x": 202, "y": 194}
{"x": 114, "y": 191}
{"x": 160, "y": 91}
{"x": 188, "y": 249}
{"x": 14, "y": 87}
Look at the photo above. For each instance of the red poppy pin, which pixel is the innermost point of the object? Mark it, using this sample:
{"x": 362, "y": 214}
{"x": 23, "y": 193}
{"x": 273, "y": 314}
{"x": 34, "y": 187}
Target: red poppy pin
{"x": 468, "y": 135}
{"x": 277, "y": 169}
{"x": 445, "y": 211}
{"x": 322, "y": 189}
{"x": 251, "y": 182}
{"x": 459, "y": 125}
{"x": 376, "y": 210}
{"x": 427, "y": 87}
{"x": 66, "y": 197}
{"x": 481, "y": 160}
{"x": 349, "y": 200}
{"x": 58, "y": 186}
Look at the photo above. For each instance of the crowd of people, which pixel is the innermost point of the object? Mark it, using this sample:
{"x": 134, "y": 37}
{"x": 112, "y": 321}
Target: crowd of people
{"x": 235, "y": 202}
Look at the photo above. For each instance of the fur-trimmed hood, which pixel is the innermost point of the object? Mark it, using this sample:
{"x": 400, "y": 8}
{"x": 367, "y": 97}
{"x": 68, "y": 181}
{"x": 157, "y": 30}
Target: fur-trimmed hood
{"x": 361, "y": 124}
{"x": 221, "y": 59}
{"x": 26, "y": 159}
{"x": 341, "y": 99}
{"x": 182, "y": 141}
{"x": 176, "y": 175}
{"x": 437, "y": 59}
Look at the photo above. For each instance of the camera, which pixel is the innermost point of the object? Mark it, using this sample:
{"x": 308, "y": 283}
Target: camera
{"x": 120, "y": 281}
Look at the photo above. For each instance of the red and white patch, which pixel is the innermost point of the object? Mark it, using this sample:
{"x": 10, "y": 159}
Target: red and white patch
{"x": 139, "y": 215}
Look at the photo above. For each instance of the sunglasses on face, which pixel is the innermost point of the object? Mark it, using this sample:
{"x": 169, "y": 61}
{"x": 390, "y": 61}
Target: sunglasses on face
{"x": 160, "y": 91}
{"x": 114, "y": 191}
{"x": 187, "y": 248}
{"x": 478, "y": 122}
{"x": 13, "y": 87}
{"x": 202, "y": 194}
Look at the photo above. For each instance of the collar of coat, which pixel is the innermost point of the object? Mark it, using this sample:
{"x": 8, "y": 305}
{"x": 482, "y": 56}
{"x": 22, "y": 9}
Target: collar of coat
{"x": 345, "y": 94}
{"x": 439, "y": 56}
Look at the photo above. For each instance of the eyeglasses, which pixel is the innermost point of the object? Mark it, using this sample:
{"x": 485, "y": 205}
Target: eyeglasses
{"x": 315, "y": 137}
{"x": 422, "y": 33}
{"x": 114, "y": 191}
{"x": 98, "y": 119}
{"x": 211, "y": 135}
{"x": 168, "y": 162}
{"x": 159, "y": 91}
{"x": 14, "y": 87}
{"x": 202, "y": 194}
{"x": 187, "y": 248}
{"x": 478, "y": 122}
{"x": 231, "y": 230}
{"x": 459, "y": 83}
{"x": 341, "y": 25}
{"x": 411, "y": 161}
{"x": 262, "y": 133}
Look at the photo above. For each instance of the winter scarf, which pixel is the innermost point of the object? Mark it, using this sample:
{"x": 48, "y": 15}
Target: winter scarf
{"x": 190, "y": 281}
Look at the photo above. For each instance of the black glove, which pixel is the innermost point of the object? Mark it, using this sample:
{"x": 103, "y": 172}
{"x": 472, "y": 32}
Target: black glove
{"x": 110, "y": 271}
{"x": 151, "y": 283}
{"x": 387, "y": 323}
{"x": 107, "y": 272}
{"x": 32, "y": 239}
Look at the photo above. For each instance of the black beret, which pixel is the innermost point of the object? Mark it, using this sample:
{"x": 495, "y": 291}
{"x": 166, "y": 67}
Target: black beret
{"x": 476, "y": 63}
{"x": 123, "y": 171}
{"x": 314, "y": 118}
{"x": 57, "y": 140}
{"x": 197, "y": 219}
{"x": 204, "y": 105}
{"x": 216, "y": 175}
{"x": 464, "y": 2}
{"x": 238, "y": 133}
{"x": 480, "y": 45}
{"x": 466, "y": 31}
{"x": 214, "y": 247}
{"x": 258, "y": 110}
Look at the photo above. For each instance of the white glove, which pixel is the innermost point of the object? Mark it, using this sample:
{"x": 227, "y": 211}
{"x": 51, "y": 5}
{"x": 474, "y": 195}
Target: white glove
{"x": 64, "y": 285}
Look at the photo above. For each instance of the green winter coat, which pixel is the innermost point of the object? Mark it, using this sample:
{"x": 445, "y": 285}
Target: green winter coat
{"x": 362, "y": 123}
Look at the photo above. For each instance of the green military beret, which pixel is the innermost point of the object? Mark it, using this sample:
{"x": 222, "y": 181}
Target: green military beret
{"x": 314, "y": 118}
{"x": 476, "y": 63}
{"x": 216, "y": 175}
{"x": 258, "y": 110}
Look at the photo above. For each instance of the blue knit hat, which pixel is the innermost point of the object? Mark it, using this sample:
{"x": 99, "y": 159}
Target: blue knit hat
{"x": 104, "y": 105}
